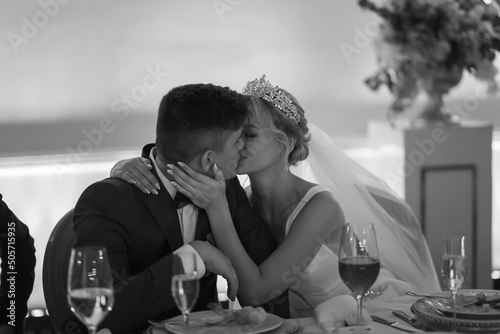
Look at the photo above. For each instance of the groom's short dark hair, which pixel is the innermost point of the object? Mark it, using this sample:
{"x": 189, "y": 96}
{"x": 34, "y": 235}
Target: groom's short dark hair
{"x": 192, "y": 118}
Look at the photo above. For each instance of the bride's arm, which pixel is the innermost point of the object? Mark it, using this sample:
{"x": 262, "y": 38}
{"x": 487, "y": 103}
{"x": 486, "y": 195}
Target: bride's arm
{"x": 282, "y": 269}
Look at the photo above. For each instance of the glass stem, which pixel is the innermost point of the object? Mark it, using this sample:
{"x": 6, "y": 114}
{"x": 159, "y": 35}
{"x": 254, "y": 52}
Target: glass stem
{"x": 454, "y": 300}
{"x": 92, "y": 329}
{"x": 359, "y": 319}
{"x": 185, "y": 316}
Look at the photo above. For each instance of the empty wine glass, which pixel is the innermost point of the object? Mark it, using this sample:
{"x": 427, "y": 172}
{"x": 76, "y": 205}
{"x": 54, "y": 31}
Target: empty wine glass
{"x": 454, "y": 269}
{"x": 359, "y": 263}
{"x": 185, "y": 284}
{"x": 90, "y": 285}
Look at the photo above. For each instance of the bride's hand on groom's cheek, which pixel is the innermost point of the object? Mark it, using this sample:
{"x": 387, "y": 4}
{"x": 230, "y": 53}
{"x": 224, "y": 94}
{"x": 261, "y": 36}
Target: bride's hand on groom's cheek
{"x": 203, "y": 190}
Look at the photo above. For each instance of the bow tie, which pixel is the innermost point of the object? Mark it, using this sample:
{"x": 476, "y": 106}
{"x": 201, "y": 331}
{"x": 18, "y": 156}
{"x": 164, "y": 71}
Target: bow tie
{"x": 181, "y": 200}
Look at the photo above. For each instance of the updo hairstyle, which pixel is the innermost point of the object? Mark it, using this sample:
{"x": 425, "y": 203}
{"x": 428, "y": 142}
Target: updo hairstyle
{"x": 274, "y": 120}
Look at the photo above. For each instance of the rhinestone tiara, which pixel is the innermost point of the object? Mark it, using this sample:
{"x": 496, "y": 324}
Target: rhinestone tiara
{"x": 263, "y": 88}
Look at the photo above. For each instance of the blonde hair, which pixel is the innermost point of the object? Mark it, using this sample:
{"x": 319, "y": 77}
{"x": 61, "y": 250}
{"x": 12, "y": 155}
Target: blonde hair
{"x": 272, "y": 119}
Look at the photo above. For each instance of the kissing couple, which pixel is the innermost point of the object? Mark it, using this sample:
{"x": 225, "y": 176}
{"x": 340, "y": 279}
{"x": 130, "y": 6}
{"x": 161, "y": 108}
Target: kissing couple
{"x": 278, "y": 238}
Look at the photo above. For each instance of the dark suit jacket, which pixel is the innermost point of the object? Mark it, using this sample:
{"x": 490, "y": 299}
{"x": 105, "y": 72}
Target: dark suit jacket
{"x": 17, "y": 253}
{"x": 140, "y": 232}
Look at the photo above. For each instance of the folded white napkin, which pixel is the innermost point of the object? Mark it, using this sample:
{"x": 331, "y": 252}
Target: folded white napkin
{"x": 104, "y": 331}
{"x": 334, "y": 313}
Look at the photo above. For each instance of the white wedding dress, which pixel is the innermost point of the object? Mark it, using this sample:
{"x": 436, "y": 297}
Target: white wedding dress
{"x": 405, "y": 259}
{"x": 321, "y": 280}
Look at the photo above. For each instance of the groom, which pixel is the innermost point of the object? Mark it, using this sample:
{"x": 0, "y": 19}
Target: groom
{"x": 200, "y": 124}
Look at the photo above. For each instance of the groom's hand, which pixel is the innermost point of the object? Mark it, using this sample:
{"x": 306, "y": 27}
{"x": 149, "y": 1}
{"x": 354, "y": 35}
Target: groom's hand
{"x": 217, "y": 263}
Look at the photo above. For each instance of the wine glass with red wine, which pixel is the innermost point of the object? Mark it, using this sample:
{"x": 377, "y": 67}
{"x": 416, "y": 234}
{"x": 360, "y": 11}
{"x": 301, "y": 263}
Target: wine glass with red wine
{"x": 359, "y": 263}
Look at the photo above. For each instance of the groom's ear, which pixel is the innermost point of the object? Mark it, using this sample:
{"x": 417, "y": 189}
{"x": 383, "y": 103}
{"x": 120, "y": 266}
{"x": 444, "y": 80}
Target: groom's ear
{"x": 207, "y": 161}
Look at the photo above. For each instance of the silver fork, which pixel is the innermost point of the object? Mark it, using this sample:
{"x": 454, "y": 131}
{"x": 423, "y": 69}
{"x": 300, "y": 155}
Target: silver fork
{"x": 295, "y": 330}
{"x": 414, "y": 294}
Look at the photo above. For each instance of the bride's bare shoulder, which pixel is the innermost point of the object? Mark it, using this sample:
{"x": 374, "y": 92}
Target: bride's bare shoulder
{"x": 321, "y": 200}
{"x": 305, "y": 186}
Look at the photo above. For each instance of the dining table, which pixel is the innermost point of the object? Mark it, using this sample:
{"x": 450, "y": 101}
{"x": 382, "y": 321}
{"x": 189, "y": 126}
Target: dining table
{"x": 309, "y": 325}
{"x": 375, "y": 307}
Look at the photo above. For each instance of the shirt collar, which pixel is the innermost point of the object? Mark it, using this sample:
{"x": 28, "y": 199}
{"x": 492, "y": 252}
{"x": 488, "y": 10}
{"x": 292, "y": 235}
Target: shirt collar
{"x": 170, "y": 188}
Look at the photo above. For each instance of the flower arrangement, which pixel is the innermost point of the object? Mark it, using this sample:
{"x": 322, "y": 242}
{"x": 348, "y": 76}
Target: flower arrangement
{"x": 428, "y": 44}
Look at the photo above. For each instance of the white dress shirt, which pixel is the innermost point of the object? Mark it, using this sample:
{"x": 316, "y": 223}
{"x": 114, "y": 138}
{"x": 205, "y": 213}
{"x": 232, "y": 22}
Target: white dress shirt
{"x": 188, "y": 216}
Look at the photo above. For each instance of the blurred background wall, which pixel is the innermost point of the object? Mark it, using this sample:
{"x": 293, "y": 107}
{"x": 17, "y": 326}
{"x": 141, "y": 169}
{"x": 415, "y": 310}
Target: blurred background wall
{"x": 81, "y": 81}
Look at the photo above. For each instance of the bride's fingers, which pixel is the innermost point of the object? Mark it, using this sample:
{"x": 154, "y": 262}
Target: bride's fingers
{"x": 197, "y": 176}
{"x": 183, "y": 182}
{"x": 199, "y": 195}
{"x": 141, "y": 169}
{"x": 182, "y": 177}
{"x": 232, "y": 284}
{"x": 219, "y": 175}
{"x": 200, "y": 192}
{"x": 146, "y": 179}
{"x": 123, "y": 175}
{"x": 141, "y": 177}
{"x": 232, "y": 289}
{"x": 139, "y": 181}
{"x": 180, "y": 189}
{"x": 146, "y": 162}
{"x": 197, "y": 180}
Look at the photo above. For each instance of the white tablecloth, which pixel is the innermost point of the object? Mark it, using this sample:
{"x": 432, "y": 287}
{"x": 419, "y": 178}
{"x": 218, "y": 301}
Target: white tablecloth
{"x": 310, "y": 326}
{"x": 379, "y": 307}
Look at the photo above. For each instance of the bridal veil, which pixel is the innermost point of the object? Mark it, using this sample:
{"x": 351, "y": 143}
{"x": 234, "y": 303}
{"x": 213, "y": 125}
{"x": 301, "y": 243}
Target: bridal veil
{"x": 365, "y": 197}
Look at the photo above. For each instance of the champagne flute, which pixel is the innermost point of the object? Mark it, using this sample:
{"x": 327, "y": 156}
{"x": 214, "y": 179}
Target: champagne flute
{"x": 359, "y": 263}
{"x": 90, "y": 285}
{"x": 454, "y": 269}
{"x": 185, "y": 284}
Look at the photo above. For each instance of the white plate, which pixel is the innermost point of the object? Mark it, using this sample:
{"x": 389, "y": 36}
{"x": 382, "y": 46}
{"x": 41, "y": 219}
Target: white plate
{"x": 483, "y": 312}
{"x": 197, "y": 325}
{"x": 428, "y": 310}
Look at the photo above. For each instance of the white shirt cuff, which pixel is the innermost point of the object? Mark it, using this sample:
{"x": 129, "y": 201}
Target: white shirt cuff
{"x": 199, "y": 262}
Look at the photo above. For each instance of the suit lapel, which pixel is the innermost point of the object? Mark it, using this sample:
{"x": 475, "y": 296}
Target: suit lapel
{"x": 161, "y": 207}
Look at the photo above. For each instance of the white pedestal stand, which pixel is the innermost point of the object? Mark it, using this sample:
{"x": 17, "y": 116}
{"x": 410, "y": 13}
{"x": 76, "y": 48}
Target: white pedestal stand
{"x": 447, "y": 181}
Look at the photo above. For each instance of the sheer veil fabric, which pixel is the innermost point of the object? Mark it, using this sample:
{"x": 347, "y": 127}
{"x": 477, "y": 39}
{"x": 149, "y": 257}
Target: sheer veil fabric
{"x": 402, "y": 246}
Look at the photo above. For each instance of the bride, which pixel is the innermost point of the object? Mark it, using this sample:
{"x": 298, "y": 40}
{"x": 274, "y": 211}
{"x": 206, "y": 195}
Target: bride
{"x": 305, "y": 189}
